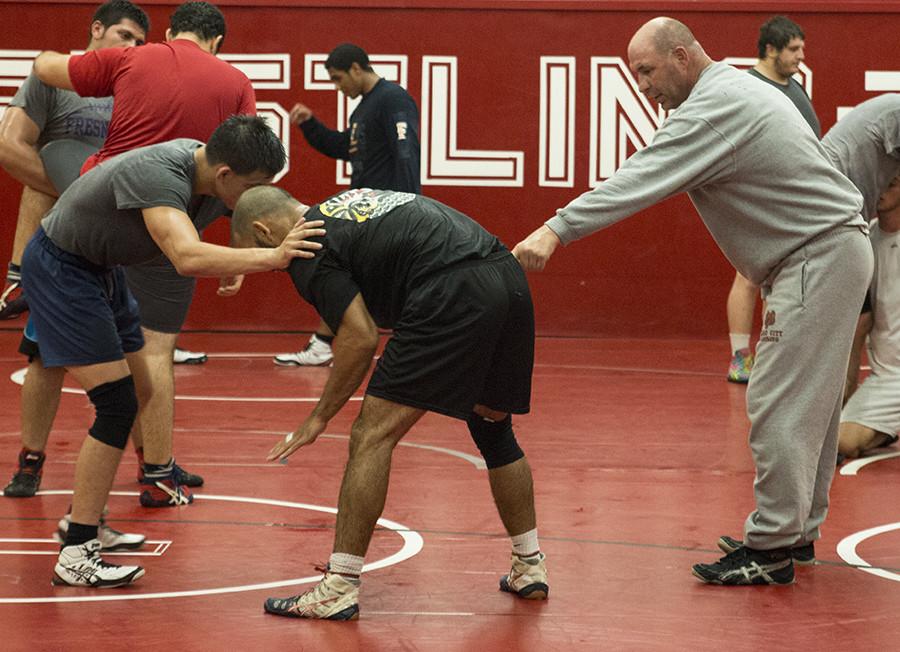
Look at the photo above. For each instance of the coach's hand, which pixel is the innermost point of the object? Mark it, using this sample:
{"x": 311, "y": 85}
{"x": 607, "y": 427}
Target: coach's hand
{"x": 230, "y": 285}
{"x": 307, "y": 433}
{"x": 535, "y": 250}
{"x": 296, "y": 244}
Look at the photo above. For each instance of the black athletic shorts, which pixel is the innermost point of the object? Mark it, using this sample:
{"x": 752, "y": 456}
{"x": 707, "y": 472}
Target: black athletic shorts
{"x": 465, "y": 337}
{"x": 163, "y": 295}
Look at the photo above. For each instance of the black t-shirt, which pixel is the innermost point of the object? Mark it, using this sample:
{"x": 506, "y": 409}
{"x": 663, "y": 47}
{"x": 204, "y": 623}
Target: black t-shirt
{"x": 382, "y": 243}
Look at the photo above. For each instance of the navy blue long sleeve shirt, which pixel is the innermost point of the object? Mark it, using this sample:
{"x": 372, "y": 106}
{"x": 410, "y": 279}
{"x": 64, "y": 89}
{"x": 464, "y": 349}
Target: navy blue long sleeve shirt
{"x": 382, "y": 142}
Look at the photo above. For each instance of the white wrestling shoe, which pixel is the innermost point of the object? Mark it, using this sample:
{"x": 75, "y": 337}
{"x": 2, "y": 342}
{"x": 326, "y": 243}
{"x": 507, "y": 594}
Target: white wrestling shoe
{"x": 316, "y": 354}
{"x": 81, "y": 566}
{"x": 183, "y": 356}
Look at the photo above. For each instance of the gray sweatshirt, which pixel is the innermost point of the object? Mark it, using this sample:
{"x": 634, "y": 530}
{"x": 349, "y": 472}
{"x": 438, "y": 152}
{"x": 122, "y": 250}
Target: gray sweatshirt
{"x": 865, "y": 145}
{"x": 754, "y": 170}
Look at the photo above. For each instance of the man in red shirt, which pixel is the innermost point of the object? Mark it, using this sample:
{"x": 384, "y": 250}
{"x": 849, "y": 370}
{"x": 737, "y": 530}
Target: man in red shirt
{"x": 176, "y": 89}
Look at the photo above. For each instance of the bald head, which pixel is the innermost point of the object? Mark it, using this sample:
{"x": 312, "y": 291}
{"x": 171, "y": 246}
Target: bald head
{"x": 263, "y": 216}
{"x": 667, "y": 60}
{"x": 665, "y": 34}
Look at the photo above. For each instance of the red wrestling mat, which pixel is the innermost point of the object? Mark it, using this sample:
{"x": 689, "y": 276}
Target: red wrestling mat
{"x": 640, "y": 462}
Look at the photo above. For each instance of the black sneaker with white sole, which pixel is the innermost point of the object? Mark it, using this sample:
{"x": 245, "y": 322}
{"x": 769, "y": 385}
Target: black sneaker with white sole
{"x": 746, "y": 566}
{"x": 27, "y": 479}
{"x": 804, "y": 555}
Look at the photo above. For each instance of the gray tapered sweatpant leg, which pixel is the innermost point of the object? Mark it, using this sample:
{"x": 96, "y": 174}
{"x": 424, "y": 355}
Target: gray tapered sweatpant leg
{"x": 794, "y": 397}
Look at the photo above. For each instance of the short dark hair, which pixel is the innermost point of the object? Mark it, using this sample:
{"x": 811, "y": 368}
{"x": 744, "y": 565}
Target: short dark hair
{"x": 201, "y": 18}
{"x": 777, "y": 32}
{"x": 112, "y": 12}
{"x": 345, "y": 55}
{"x": 246, "y": 144}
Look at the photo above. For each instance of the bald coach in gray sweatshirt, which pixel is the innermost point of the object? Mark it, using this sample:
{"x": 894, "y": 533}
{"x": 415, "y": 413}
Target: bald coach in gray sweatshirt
{"x": 789, "y": 222}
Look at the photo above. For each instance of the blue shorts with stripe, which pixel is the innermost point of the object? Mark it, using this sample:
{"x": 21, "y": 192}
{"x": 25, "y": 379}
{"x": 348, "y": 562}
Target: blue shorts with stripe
{"x": 81, "y": 313}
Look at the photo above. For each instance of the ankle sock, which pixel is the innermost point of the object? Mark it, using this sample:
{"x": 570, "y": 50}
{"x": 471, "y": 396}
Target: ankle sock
{"x": 33, "y": 460}
{"x": 79, "y": 533}
{"x": 349, "y": 566}
{"x": 739, "y": 341}
{"x": 158, "y": 471}
{"x": 525, "y": 545}
{"x": 327, "y": 339}
{"x": 13, "y": 273}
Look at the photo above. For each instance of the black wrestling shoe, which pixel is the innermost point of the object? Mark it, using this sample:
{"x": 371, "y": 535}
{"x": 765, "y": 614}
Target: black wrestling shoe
{"x": 746, "y": 566}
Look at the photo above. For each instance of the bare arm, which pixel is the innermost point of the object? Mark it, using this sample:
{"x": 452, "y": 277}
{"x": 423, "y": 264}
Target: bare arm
{"x": 52, "y": 68}
{"x": 354, "y": 346}
{"x": 18, "y": 151}
{"x": 863, "y": 326}
{"x": 176, "y": 236}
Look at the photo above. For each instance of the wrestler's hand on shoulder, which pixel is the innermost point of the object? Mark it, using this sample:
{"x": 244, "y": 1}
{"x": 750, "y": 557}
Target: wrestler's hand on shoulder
{"x": 296, "y": 243}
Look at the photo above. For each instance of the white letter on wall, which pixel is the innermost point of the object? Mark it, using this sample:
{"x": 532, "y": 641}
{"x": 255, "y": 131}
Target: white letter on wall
{"x": 442, "y": 162}
{"x": 557, "y": 139}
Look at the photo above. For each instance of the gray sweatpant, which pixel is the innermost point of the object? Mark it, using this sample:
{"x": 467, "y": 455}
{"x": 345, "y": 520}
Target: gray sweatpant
{"x": 794, "y": 398}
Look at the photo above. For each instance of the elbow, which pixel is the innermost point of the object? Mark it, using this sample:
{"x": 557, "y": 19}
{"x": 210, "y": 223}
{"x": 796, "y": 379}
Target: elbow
{"x": 187, "y": 268}
{"x": 185, "y": 265}
{"x": 40, "y": 67}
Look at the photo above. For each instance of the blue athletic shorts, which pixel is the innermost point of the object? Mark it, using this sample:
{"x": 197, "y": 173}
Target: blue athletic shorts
{"x": 81, "y": 313}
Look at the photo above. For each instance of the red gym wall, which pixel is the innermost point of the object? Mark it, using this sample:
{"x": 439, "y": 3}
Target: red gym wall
{"x": 656, "y": 274}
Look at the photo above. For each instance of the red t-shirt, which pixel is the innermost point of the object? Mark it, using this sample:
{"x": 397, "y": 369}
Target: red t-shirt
{"x": 162, "y": 91}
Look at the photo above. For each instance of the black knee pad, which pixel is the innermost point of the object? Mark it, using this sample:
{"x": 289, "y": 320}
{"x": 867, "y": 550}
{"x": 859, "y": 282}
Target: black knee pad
{"x": 495, "y": 440}
{"x": 116, "y": 407}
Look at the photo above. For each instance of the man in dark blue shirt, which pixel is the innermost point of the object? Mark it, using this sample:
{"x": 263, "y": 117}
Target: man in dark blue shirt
{"x": 462, "y": 346}
{"x": 382, "y": 145}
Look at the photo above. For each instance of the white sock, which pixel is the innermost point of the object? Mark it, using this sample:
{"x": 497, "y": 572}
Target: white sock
{"x": 739, "y": 341}
{"x": 526, "y": 545}
{"x": 349, "y": 566}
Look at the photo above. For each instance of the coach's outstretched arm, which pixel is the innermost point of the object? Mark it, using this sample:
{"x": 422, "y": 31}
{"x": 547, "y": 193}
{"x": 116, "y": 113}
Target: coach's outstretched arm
{"x": 52, "y": 68}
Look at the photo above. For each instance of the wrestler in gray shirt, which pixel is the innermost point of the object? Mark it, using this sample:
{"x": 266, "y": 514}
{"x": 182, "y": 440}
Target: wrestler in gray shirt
{"x": 63, "y": 114}
{"x": 774, "y": 199}
{"x": 99, "y": 217}
{"x": 865, "y": 145}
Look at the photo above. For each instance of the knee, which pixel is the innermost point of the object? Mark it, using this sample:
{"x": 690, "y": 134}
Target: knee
{"x": 367, "y": 438}
{"x": 116, "y": 407}
{"x": 495, "y": 440}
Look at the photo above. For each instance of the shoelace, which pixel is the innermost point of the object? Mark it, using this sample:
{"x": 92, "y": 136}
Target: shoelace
{"x": 93, "y": 558}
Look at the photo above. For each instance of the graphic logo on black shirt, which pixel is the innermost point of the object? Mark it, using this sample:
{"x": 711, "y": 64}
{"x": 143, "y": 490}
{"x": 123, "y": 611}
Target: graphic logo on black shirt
{"x": 362, "y": 204}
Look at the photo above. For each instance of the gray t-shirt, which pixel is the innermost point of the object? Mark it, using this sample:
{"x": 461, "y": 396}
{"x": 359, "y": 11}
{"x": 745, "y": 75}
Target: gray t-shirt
{"x": 865, "y": 146}
{"x": 798, "y": 96}
{"x": 758, "y": 176}
{"x": 63, "y": 114}
{"x": 99, "y": 217}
